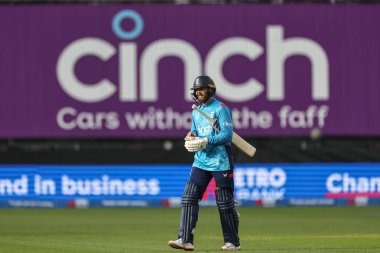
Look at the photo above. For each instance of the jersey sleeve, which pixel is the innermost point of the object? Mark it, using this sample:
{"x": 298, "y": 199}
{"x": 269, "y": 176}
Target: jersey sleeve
{"x": 226, "y": 127}
{"x": 193, "y": 127}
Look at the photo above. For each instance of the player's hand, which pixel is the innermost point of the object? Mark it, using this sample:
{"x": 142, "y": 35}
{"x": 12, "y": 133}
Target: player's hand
{"x": 190, "y": 136}
{"x": 196, "y": 144}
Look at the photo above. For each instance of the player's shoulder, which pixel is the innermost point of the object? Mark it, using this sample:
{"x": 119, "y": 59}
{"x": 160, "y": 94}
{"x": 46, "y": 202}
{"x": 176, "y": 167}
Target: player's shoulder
{"x": 220, "y": 105}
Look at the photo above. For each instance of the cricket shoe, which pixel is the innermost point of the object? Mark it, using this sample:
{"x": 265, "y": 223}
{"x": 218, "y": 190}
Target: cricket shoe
{"x": 230, "y": 246}
{"x": 178, "y": 244}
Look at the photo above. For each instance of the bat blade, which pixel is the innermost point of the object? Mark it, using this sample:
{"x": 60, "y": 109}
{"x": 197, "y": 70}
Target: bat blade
{"x": 243, "y": 145}
{"x": 238, "y": 141}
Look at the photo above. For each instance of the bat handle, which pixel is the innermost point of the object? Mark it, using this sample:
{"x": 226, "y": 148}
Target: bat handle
{"x": 204, "y": 114}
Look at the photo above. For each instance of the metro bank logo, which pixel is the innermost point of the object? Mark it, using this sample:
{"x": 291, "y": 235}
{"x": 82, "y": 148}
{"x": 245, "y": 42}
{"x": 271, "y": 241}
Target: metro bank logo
{"x": 140, "y": 72}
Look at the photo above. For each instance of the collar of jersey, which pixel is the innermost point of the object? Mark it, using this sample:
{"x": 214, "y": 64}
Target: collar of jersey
{"x": 212, "y": 100}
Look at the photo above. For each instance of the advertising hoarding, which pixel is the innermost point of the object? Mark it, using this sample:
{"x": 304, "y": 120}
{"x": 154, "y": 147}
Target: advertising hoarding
{"x": 162, "y": 185}
{"x": 126, "y": 70}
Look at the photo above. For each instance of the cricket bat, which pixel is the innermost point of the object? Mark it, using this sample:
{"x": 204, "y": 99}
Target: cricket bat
{"x": 239, "y": 142}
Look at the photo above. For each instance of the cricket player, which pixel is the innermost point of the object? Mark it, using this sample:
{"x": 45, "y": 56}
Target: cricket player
{"x": 212, "y": 159}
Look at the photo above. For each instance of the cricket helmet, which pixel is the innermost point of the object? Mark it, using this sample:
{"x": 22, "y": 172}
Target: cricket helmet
{"x": 203, "y": 82}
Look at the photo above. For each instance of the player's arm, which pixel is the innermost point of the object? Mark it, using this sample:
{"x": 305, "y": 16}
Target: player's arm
{"x": 193, "y": 131}
{"x": 225, "y": 126}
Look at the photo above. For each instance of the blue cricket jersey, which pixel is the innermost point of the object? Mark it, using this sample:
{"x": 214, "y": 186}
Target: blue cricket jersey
{"x": 217, "y": 155}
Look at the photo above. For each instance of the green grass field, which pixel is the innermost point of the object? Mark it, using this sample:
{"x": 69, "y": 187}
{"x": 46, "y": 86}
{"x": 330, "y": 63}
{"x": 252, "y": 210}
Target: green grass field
{"x": 266, "y": 230}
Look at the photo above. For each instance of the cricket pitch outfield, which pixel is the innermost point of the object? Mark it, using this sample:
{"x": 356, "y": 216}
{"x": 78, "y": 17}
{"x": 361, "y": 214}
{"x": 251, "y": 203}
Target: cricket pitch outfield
{"x": 264, "y": 230}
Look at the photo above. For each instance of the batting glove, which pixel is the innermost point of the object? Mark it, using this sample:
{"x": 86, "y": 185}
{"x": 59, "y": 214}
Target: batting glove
{"x": 196, "y": 144}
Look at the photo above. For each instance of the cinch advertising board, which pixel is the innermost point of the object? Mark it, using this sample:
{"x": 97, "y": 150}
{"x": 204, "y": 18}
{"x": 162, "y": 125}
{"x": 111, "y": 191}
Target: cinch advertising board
{"x": 126, "y": 70}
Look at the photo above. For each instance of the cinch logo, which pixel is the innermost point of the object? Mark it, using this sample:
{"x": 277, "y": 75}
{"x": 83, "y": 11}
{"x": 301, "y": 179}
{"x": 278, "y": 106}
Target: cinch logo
{"x": 279, "y": 49}
{"x": 204, "y": 130}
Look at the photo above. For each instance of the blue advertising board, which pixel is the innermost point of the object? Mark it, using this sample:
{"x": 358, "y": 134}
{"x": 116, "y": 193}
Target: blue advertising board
{"x": 162, "y": 185}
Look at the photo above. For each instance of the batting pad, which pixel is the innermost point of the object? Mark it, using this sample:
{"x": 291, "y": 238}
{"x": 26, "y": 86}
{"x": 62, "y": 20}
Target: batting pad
{"x": 189, "y": 213}
{"x": 229, "y": 217}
